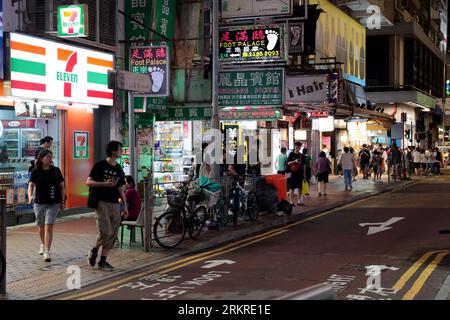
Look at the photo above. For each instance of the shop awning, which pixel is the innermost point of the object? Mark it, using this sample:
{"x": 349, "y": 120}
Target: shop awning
{"x": 338, "y": 111}
{"x": 251, "y": 113}
{"x": 373, "y": 115}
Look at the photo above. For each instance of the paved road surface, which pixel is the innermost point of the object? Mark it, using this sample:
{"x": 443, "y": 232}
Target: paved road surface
{"x": 412, "y": 257}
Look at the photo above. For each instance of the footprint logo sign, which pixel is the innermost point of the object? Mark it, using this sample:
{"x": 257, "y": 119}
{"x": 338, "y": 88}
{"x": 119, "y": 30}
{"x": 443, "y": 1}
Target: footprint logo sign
{"x": 272, "y": 37}
{"x": 158, "y": 75}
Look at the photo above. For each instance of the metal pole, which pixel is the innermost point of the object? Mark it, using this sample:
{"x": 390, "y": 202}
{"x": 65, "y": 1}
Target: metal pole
{"x": 148, "y": 216}
{"x": 3, "y": 224}
{"x": 215, "y": 121}
{"x": 132, "y": 135}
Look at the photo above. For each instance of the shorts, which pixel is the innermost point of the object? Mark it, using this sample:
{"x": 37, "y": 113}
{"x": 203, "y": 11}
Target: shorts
{"x": 364, "y": 166}
{"x": 295, "y": 182}
{"x": 46, "y": 213}
{"x": 323, "y": 177}
{"x": 417, "y": 165}
{"x": 108, "y": 223}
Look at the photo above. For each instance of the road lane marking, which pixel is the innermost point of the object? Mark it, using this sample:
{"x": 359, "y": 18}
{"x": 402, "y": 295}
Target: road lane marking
{"x": 170, "y": 264}
{"x": 445, "y": 290}
{"x": 420, "y": 282}
{"x": 413, "y": 269}
{"x": 127, "y": 279}
{"x": 164, "y": 271}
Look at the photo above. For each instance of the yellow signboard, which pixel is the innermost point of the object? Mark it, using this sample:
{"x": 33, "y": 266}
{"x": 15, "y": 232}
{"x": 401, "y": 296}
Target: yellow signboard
{"x": 338, "y": 35}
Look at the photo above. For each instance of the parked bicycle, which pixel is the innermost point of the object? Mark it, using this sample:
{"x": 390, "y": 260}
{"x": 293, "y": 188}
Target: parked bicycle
{"x": 244, "y": 202}
{"x": 183, "y": 214}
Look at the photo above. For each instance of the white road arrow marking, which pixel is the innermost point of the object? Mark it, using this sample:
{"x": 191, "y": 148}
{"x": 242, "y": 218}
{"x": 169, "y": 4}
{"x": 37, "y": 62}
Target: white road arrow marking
{"x": 381, "y": 226}
{"x": 216, "y": 263}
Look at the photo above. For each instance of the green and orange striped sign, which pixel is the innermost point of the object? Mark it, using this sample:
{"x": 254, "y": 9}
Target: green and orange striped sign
{"x": 48, "y": 70}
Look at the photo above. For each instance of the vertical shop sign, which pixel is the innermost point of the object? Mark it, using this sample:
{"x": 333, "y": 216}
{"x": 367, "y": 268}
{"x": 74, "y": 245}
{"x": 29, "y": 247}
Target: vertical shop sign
{"x": 296, "y": 37}
{"x": 232, "y": 137}
{"x": 152, "y": 60}
{"x": 139, "y": 10}
{"x": 164, "y": 24}
{"x": 81, "y": 145}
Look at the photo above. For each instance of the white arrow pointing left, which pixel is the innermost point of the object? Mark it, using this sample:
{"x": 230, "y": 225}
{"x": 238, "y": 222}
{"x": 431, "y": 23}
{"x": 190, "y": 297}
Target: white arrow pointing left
{"x": 216, "y": 263}
{"x": 381, "y": 226}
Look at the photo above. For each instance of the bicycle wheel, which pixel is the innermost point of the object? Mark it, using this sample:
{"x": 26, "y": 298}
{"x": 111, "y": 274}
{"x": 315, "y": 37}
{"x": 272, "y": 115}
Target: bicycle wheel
{"x": 197, "y": 222}
{"x": 252, "y": 206}
{"x": 2, "y": 266}
{"x": 169, "y": 230}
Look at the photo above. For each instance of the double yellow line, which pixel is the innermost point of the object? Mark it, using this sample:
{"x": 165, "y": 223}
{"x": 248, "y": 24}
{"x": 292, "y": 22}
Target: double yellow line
{"x": 423, "y": 277}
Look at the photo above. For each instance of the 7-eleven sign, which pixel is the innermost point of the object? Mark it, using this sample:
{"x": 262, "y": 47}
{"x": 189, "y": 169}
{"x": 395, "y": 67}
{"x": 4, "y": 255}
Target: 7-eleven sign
{"x": 73, "y": 21}
{"x": 81, "y": 145}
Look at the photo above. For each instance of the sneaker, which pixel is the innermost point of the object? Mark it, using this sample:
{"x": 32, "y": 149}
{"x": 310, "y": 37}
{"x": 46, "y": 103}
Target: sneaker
{"x": 105, "y": 266}
{"x": 92, "y": 257}
{"x": 301, "y": 204}
{"x": 41, "y": 250}
{"x": 47, "y": 257}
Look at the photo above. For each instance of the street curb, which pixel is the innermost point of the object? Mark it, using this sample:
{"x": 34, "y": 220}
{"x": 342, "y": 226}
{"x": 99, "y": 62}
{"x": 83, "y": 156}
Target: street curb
{"x": 240, "y": 234}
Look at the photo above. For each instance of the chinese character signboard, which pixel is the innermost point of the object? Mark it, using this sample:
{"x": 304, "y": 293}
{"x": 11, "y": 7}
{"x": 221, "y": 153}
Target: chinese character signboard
{"x": 258, "y": 87}
{"x": 73, "y": 21}
{"x": 255, "y": 8}
{"x": 251, "y": 44}
{"x": 259, "y": 114}
{"x": 183, "y": 113}
{"x": 43, "y": 69}
{"x": 80, "y": 145}
{"x": 152, "y": 60}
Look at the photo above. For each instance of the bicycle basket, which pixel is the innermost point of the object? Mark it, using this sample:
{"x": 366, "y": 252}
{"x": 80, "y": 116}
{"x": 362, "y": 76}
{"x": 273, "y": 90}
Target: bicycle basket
{"x": 212, "y": 197}
{"x": 175, "y": 198}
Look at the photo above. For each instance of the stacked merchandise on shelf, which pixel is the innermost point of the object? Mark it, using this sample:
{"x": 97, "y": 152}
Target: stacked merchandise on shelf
{"x": 168, "y": 154}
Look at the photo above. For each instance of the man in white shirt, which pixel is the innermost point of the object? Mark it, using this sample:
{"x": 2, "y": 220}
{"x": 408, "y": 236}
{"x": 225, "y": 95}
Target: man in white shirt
{"x": 347, "y": 162}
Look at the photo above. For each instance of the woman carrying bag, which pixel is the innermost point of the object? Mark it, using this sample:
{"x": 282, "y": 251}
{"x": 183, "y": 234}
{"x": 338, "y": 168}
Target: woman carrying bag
{"x": 46, "y": 192}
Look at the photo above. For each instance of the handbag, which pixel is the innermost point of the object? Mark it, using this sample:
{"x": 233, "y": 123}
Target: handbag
{"x": 92, "y": 199}
{"x": 305, "y": 188}
{"x": 293, "y": 167}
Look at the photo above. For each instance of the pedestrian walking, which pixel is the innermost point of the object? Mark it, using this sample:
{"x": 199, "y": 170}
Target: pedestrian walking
{"x": 364, "y": 156}
{"x": 437, "y": 161}
{"x": 280, "y": 161}
{"x": 323, "y": 169}
{"x": 46, "y": 192}
{"x": 106, "y": 181}
{"x": 429, "y": 161}
{"x": 394, "y": 161}
{"x": 347, "y": 162}
{"x": 355, "y": 168}
{"x": 296, "y": 165}
{"x": 376, "y": 165}
{"x": 416, "y": 161}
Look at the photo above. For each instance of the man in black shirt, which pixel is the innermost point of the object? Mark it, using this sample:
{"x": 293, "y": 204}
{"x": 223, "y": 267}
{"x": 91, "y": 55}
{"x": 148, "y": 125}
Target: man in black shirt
{"x": 108, "y": 179}
{"x": 364, "y": 156}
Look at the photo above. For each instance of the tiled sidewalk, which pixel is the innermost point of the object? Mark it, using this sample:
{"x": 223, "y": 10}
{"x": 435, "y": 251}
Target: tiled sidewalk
{"x": 28, "y": 277}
